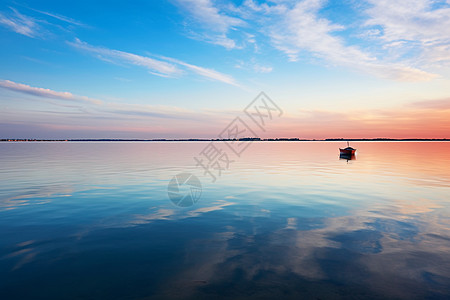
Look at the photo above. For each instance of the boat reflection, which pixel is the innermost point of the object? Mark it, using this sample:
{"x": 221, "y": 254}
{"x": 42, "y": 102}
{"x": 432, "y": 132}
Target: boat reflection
{"x": 347, "y": 156}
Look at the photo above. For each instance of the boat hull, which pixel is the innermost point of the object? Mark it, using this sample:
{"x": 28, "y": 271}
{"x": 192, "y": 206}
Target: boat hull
{"x": 348, "y": 152}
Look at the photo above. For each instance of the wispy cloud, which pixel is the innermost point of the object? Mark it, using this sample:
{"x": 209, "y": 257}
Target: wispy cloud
{"x": 60, "y": 17}
{"x": 422, "y": 26}
{"x": 206, "y": 13}
{"x": 104, "y": 108}
{"x": 302, "y": 29}
{"x": 45, "y": 93}
{"x": 262, "y": 69}
{"x": 92, "y": 118}
{"x": 155, "y": 66}
{"x": 253, "y": 66}
{"x": 214, "y": 23}
{"x": 205, "y": 72}
{"x": 164, "y": 66}
{"x": 421, "y": 20}
{"x": 20, "y": 23}
{"x": 34, "y": 27}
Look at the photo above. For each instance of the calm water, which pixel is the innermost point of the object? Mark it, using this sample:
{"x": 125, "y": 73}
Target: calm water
{"x": 287, "y": 220}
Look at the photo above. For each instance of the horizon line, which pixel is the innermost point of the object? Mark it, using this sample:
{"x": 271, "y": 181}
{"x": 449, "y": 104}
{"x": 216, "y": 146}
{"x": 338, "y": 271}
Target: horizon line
{"x": 218, "y": 140}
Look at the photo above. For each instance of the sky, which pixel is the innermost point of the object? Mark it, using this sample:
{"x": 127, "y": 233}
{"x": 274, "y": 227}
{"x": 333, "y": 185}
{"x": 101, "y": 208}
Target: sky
{"x": 187, "y": 68}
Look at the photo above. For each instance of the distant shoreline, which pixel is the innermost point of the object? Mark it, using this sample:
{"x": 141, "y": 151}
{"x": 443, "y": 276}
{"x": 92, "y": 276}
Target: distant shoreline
{"x": 226, "y": 140}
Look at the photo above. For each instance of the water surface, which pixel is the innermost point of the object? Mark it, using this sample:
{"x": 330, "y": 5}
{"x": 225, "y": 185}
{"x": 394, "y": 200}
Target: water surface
{"x": 287, "y": 219}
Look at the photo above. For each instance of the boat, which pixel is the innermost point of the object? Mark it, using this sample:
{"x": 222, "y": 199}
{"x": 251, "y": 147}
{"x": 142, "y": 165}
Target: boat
{"x": 349, "y": 151}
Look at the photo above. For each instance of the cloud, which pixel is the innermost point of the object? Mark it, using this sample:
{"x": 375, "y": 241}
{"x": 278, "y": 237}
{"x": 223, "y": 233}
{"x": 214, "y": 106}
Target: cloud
{"x": 98, "y": 105}
{"x": 208, "y": 15}
{"x": 164, "y": 67}
{"x": 302, "y": 29}
{"x": 419, "y": 21}
{"x": 254, "y": 66}
{"x": 215, "y": 24}
{"x": 60, "y": 18}
{"x": 93, "y": 109}
{"x": 205, "y": 72}
{"x": 45, "y": 93}
{"x": 262, "y": 69}
{"x": 54, "y": 118}
{"x": 421, "y": 25}
{"x": 155, "y": 66}
{"x": 30, "y": 26}
{"x": 20, "y": 23}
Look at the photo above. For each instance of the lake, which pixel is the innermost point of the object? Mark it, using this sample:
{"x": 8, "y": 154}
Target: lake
{"x": 287, "y": 220}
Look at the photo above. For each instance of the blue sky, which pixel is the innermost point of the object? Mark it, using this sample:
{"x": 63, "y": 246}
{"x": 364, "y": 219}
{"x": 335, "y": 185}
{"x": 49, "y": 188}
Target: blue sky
{"x": 184, "y": 68}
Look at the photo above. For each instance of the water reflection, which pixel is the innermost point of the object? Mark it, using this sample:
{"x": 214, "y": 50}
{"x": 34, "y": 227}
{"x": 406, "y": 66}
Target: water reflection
{"x": 347, "y": 157}
{"x": 93, "y": 220}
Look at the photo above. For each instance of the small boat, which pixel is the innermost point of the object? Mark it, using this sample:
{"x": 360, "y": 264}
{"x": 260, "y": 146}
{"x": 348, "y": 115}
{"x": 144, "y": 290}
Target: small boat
{"x": 349, "y": 151}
